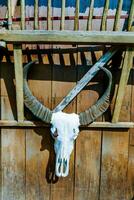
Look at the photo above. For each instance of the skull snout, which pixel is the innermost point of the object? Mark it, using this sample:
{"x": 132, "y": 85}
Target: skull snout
{"x": 63, "y": 151}
{"x": 62, "y": 167}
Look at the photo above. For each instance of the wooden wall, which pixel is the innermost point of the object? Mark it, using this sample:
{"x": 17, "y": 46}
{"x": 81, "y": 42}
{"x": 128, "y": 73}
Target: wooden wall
{"x": 102, "y": 164}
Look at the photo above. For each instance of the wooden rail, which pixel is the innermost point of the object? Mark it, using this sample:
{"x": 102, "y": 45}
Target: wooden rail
{"x": 69, "y": 37}
{"x": 34, "y": 124}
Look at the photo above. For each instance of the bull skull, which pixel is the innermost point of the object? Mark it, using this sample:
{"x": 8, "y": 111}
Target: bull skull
{"x": 64, "y": 130}
{"x": 65, "y": 127}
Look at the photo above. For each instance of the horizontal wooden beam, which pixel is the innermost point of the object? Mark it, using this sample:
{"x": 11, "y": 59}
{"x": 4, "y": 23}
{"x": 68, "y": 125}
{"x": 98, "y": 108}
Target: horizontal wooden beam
{"x": 32, "y": 124}
{"x": 70, "y": 37}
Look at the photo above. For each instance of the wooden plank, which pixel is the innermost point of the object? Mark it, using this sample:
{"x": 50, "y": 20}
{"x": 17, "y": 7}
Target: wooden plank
{"x": 104, "y": 16}
{"x": 85, "y": 80}
{"x": 88, "y": 145}
{"x": 12, "y": 142}
{"x": 62, "y": 22}
{"x": 34, "y": 124}
{"x": 38, "y": 141}
{"x": 49, "y": 23}
{"x": 19, "y": 81}
{"x": 69, "y": 37}
{"x": 13, "y": 164}
{"x": 117, "y": 16}
{"x": 127, "y": 65}
{"x": 36, "y": 15}
{"x": 64, "y": 78}
{"x": 132, "y": 109}
{"x": 22, "y": 14}
{"x": 130, "y": 174}
{"x": 114, "y": 165}
{"x": 90, "y": 16}
{"x": 115, "y": 157}
{"x": 76, "y": 20}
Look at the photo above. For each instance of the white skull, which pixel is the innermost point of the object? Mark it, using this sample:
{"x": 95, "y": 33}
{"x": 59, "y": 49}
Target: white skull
{"x": 65, "y": 129}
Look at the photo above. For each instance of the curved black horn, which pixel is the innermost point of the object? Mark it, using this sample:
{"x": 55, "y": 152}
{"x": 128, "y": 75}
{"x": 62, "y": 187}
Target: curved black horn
{"x": 92, "y": 113}
{"x": 39, "y": 110}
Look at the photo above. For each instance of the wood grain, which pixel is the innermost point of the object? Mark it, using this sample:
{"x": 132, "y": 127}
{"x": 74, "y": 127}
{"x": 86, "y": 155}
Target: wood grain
{"x": 19, "y": 81}
{"x": 115, "y": 157}
{"x": 38, "y": 143}
{"x": 69, "y": 37}
{"x": 114, "y": 165}
{"x": 127, "y": 65}
{"x": 64, "y": 78}
{"x": 130, "y": 174}
{"x": 12, "y": 143}
{"x": 88, "y": 145}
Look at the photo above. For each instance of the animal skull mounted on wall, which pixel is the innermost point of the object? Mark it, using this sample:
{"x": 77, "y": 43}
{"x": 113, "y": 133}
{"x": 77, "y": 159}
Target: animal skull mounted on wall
{"x": 65, "y": 127}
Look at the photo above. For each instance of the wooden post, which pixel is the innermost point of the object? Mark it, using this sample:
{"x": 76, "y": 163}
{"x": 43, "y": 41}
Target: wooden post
{"x": 104, "y": 16}
{"x": 127, "y": 65}
{"x": 19, "y": 81}
{"x": 36, "y": 13}
{"x": 131, "y": 16}
{"x": 90, "y": 16}
{"x": 22, "y": 14}
{"x": 62, "y": 22}
{"x": 9, "y": 7}
{"x": 117, "y": 16}
{"x": 76, "y": 20}
{"x": 49, "y": 23}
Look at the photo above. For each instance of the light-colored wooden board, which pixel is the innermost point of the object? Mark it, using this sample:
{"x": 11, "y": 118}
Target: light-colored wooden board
{"x": 114, "y": 165}
{"x": 130, "y": 174}
{"x": 64, "y": 78}
{"x": 19, "y": 81}
{"x": 70, "y": 37}
{"x": 12, "y": 141}
{"x": 114, "y": 162}
{"x": 38, "y": 145}
{"x": 37, "y": 124}
{"x": 88, "y": 144}
{"x": 125, "y": 73}
{"x": 13, "y": 164}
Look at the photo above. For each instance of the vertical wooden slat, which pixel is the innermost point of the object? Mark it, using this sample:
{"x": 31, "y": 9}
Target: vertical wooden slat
{"x": 13, "y": 164}
{"x": 113, "y": 180}
{"x": 127, "y": 65}
{"x": 38, "y": 142}
{"x": 131, "y": 16}
{"x": 49, "y": 23}
{"x": 36, "y": 14}
{"x": 12, "y": 141}
{"x": 9, "y": 7}
{"x": 19, "y": 81}
{"x": 130, "y": 174}
{"x": 76, "y": 20}
{"x": 22, "y": 14}
{"x": 90, "y": 16}
{"x": 117, "y": 16}
{"x": 115, "y": 156}
{"x": 64, "y": 78}
{"x": 104, "y": 16}
{"x": 62, "y": 22}
{"x": 88, "y": 145}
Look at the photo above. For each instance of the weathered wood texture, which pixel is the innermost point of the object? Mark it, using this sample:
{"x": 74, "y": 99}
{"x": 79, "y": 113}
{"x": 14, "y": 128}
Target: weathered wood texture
{"x": 102, "y": 164}
{"x": 19, "y": 81}
{"x": 12, "y": 141}
{"x": 80, "y": 37}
